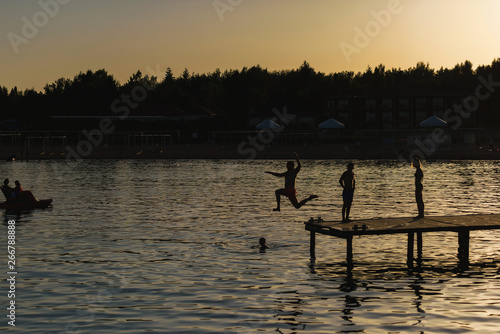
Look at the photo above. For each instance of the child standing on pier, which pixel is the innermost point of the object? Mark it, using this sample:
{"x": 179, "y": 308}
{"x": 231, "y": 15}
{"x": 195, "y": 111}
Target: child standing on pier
{"x": 419, "y": 175}
{"x": 347, "y": 182}
{"x": 289, "y": 191}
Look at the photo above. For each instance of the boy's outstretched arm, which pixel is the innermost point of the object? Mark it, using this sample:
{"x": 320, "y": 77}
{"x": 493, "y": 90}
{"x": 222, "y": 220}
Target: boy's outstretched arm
{"x": 276, "y": 174}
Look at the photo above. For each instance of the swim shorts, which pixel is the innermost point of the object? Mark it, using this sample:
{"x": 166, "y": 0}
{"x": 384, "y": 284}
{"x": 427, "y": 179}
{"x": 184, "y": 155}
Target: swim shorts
{"x": 348, "y": 195}
{"x": 291, "y": 193}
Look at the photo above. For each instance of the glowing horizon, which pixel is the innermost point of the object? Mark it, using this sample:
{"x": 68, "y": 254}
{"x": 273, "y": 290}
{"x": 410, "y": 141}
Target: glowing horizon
{"x": 202, "y": 35}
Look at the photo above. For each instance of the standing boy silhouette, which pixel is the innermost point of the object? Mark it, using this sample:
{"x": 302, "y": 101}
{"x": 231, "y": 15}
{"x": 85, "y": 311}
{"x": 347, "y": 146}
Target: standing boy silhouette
{"x": 419, "y": 175}
{"x": 347, "y": 182}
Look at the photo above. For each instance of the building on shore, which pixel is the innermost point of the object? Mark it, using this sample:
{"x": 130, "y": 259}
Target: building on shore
{"x": 392, "y": 112}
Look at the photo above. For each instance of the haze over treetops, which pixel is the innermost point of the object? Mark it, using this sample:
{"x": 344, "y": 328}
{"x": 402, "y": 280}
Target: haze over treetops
{"x": 48, "y": 39}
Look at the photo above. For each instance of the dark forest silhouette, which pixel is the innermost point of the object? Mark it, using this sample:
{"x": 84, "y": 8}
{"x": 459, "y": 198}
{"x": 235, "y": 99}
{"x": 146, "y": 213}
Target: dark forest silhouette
{"x": 236, "y": 96}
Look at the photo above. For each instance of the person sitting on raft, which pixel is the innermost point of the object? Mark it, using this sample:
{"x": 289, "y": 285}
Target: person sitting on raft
{"x": 23, "y": 195}
{"x": 16, "y": 194}
{"x": 8, "y": 191}
{"x": 18, "y": 189}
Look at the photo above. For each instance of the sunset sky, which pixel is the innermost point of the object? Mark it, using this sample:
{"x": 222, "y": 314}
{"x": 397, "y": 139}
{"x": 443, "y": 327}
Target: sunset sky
{"x": 123, "y": 36}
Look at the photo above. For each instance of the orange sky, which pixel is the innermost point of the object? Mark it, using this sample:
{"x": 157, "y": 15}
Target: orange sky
{"x": 123, "y": 36}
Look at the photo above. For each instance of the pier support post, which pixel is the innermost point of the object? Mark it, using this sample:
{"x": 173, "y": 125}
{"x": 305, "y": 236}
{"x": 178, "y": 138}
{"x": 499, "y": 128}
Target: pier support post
{"x": 312, "y": 245}
{"x": 419, "y": 247}
{"x": 349, "y": 249}
{"x": 463, "y": 246}
{"x": 411, "y": 245}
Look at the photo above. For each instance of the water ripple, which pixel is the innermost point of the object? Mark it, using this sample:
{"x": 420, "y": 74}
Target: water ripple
{"x": 171, "y": 247}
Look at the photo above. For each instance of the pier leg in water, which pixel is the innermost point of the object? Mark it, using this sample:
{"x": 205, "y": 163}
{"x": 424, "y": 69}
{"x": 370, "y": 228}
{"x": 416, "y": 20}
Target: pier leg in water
{"x": 409, "y": 259}
{"x": 349, "y": 252}
{"x": 463, "y": 247}
{"x": 312, "y": 245}
{"x": 419, "y": 248}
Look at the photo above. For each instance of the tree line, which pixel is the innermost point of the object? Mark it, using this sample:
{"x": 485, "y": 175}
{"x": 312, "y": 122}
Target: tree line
{"x": 236, "y": 96}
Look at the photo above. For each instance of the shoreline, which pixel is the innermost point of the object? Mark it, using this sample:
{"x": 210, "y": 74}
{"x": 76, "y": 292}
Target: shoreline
{"x": 213, "y": 151}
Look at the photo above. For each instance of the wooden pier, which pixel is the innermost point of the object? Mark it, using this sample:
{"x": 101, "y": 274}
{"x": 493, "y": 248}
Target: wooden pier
{"x": 410, "y": 226}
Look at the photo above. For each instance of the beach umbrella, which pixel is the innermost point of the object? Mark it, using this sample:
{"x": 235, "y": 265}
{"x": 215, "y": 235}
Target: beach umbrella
{"x": 331, "y": 124}
{"x": 433, "y": 121}
{"x": 267, "y": 124}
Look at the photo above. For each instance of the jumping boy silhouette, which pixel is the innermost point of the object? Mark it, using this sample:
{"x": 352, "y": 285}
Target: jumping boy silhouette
{"x": 289, "y": 191}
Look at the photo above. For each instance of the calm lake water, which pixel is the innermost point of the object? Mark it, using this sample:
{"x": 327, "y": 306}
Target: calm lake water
{"x": 171, "y": 247}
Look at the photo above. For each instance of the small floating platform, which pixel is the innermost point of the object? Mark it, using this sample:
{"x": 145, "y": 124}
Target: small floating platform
{"x": 26, "y": 205}
{"x": 410, "y": 226}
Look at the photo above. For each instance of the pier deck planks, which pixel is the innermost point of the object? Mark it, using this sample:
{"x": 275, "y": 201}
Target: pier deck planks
{"x": 406, "y": 225}
{"x": 462, "y": 224}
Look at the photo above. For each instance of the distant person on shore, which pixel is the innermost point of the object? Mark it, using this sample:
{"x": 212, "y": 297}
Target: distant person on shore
{"x": 348, "y": 183}
{"x": 289, "y": 191}
{"x": 419, "y": 187}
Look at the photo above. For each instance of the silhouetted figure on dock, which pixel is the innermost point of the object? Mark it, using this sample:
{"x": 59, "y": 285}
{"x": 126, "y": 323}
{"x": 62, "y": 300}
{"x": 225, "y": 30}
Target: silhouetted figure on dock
{"x": 419, "y": 187}
{"x": 289, "y": 191}
{"x": 347, "y": 182}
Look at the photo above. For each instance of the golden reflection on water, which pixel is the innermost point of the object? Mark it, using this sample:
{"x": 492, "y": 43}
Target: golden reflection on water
{"x": 170, "y": 246}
